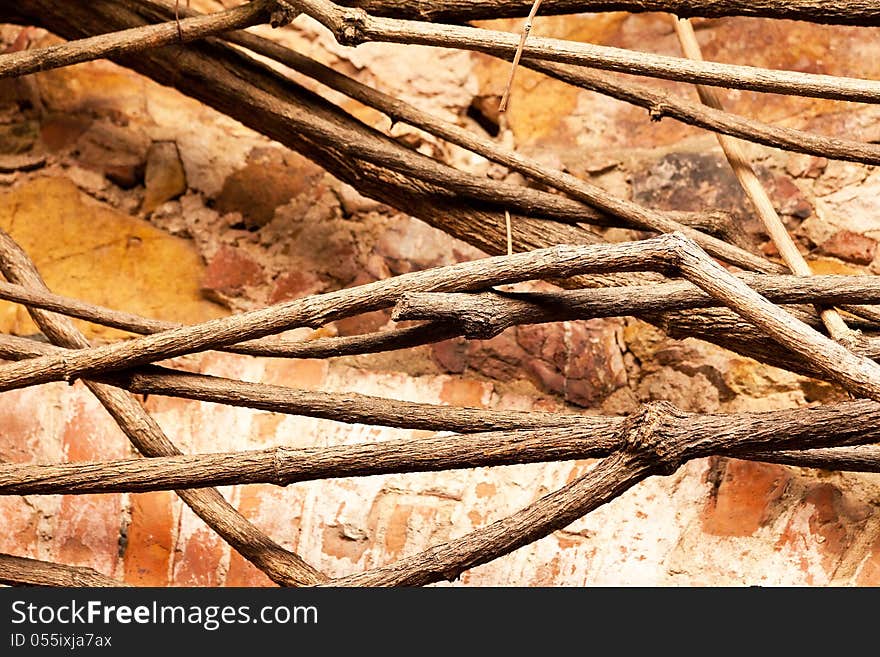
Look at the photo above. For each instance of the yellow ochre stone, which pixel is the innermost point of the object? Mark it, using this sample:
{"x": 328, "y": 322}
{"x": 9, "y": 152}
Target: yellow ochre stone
{"x": 90, "y": 251}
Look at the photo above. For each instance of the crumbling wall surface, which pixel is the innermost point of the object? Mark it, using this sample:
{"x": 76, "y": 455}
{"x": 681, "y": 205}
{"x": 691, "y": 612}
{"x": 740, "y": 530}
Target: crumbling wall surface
{"x": 130, "y": 195}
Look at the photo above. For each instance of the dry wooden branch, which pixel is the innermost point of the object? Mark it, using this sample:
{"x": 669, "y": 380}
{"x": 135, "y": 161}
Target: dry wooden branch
{"x": 487, "y": 314}
{"x": 656, "y": 441}
{"x": 354, "y": 26}
{"x": 527, "y": 28}
{"x": 347, "y": 407}
{"x": 359, "y": 143}
{"x": 235, "y": 84}
{"x": 862, "y": 458}
{"x": 662, "y": 253}
{"x": 560, "y": 261}
{"x": 277, "y": 347}
{"x": 857, "y": 374}
{"x": 22, "y": 571}
{"x": 726, "y": 329}
{"x": 718, "y": 326}
{"x": 581, "y": 437}
{"x": 609, "y": 479}
{"x": 471, "y": 225}
{"x": 389, "y": 154}
{"x": 216, "y": 87}
{"x": 661, "y": 105}
{"x": 840, "y": 12}
{"x": 283, "y": 465}
{"x": 133, "y": 40}
{"x": 340, "y": 407}
{"x": 748, "y": 179}
{"x": 147, "y": 436}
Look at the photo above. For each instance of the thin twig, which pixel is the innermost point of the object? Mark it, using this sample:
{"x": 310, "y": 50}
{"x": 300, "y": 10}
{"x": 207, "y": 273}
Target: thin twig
{"x": 742, "y": 168}
{"x": 585, "y": 437}
{"x": 352, "y": 27}
{"x": 661, "y": 105}
{"x": 527, "y": 27}
{"x": 133, "y": 40}
{"x": 839, "y": 12}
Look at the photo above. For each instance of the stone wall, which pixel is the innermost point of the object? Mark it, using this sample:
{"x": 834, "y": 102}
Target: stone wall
{"x": 130, "y": 195}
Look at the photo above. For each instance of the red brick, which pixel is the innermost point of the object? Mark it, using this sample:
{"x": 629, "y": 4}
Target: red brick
{"x": 547, "y": 574}
{"x": 461, "y": 392}
{"x": 744, "y": 498}
{"x": 363, "y": 323}
{"x": 544, "y": 341}
{"x": 117, "y": 152}
{"x": 230, "y": 271}
{"x": 59, "y": 131}
{"x": 21, "y": 427}
{"x": 486, "y": 489}
{"x": 396, "y": 531}
{"x": 307, "y": 373}
{"x": 271, "y": 178}
{"x": 850, "y": 246}
{"x": 241, "y": 571}
{"x": 26, "y": 437}
{"x": 500, "y": 358}
{"x": 150, "y": 543}
{"x": 19, "y": 521}
{"x": 336, "y": 543}
{"x": 545, "y": 375}
{"x": 87, "y": 532}
{"x": 87, "y": 527}
{"x": 595, "y": 366}
{"x": 90, "y": 434}
{"x": 451, "y": 355}
{"x": 199, "y": 558}
{"x": 789, "y": 199}
{"x": 294, "y": 285}
{"x": 164, "y": 176}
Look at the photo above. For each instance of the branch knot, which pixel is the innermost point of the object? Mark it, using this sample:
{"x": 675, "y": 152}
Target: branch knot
{"x": 354, "y": 22}
{"x": 278, "y": 454}
{"x": 646, "y": 434}
{"x": 282, "y": 13}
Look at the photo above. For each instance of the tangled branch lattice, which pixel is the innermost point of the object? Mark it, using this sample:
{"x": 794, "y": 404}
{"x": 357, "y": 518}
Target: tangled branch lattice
{"x": 820, "y": 326}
